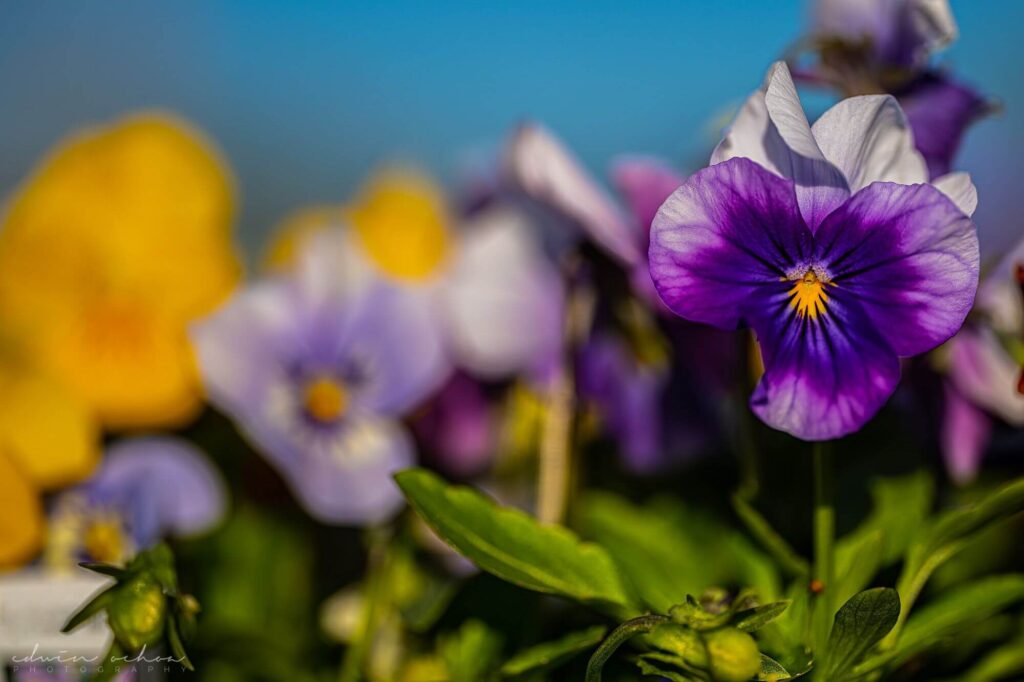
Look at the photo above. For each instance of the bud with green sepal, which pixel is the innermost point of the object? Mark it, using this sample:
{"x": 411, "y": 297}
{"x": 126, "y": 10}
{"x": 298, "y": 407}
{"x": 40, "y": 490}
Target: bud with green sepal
{"x": 143, "y": 607}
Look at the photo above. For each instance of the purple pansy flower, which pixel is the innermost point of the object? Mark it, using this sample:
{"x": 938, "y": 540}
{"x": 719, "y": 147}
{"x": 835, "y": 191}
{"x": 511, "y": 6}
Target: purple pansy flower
{"x": 459, "y": 428}
{"x": 984, "y": 369}
{"x": 816, "y": 238}
{"x": 145, "y": 490}
{"x": 317, "y": 371}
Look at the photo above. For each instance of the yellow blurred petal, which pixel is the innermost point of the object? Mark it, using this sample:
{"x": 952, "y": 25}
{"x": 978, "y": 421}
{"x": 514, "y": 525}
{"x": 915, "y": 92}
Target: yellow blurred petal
{"x": 135, "y": 217}
{"x": 135, "y": 368}
{"x": 46, "y": 430}
{"x": 21, "y": 521}
{"x": 295, "y": 231}
{"x": 400, "y": 220}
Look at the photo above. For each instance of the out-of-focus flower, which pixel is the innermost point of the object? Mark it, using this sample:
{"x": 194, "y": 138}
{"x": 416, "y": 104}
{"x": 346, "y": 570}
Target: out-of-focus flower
{"x": 47, "y": 440}
{"x": 316, "y": 370}
{"x": 984, "y": 363}
{"x": 118, "y": 240}
{"x": 459, "y": 427}
{"x": 146, "y": 490}
{"x": 879, "y": 46}
{"x": 485, "y": 282}
{"x": 816, "y": 238}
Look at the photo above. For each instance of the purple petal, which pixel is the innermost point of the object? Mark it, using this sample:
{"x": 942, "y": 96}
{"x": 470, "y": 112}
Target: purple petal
{"x": 164, "y": 485}
{"x": 824, "y": 377}
{"x": 902, "y": 32}
{"x": 726, "y": 232}
{"x": 910, "y": 259}
{"x": 966, "y": 431}
{"x": 940, "y": 110}
{"x": 458, "y": 428}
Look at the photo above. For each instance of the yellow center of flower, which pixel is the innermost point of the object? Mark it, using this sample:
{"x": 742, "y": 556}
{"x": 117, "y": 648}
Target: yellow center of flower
{"x": 401, "y": 224}
{"x": 104, "y": 541}
{"x": 808, "y": 297}
{"x": 324, "y": 399}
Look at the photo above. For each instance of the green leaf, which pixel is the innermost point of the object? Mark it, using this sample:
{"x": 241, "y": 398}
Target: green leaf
{"x": 950, "y": 534}
{"x": 89, "y": 609}
{"x": 471, "y": 652}
{"x": 548, "y": 655}
{"x": 772, "y": 670}
{"x": 759, "y": 616}
{"x": 857, "y": 562}
{"x": 900, "y": 512}
{"x": 617, "y": 638}
{"x": 513, "y": 545}
{"x": 859, "y": 625}
{"x": 655, "y": 546}
{"x": 653, "y": 553}
{"x": 957, "y": 610}
{"x": 1003, "y": 663}
{"x": 104, "y": 569}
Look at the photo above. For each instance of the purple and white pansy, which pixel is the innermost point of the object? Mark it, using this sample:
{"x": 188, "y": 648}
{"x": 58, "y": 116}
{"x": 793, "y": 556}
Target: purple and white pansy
{"x": 317, "y": 370}
{"x": 828, "y": 242}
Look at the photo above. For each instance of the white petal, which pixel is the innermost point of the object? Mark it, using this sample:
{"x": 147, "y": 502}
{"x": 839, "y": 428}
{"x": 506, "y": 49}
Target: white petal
{"x": 958, "y": 187}
{"x": 932, "y": 22}
{"x": 1000, "y": 294}
{"x": 869, "y": 140}
{"x": 547, "y": 171}
{"x": 503, "y": 299}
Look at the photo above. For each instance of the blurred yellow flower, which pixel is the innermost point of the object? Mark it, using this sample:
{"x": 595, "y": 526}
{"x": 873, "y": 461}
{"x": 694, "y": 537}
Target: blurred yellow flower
{"x": 48, "y": 440}
{"x": 399, "y": 221}
{"x": 117, "y": 241}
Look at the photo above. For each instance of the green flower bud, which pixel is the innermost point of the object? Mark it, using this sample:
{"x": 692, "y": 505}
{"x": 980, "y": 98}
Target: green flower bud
{"x": 733, "y": 655}
{"x": 137, "y": 613}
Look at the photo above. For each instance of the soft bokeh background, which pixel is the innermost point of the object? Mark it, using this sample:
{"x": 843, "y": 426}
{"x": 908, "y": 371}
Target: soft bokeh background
{"x": 305, "y": 99}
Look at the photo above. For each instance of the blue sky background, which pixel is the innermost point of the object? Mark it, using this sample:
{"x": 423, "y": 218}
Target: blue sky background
{"x": 306, "y": 98}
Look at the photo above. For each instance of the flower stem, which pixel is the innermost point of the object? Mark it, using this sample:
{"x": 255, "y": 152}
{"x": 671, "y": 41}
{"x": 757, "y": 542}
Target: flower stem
{"x": 618, "y": 636}
{"x": 555, "y": 475}
{"x": 354, "y": 662}
{"x": 822, "y": 584}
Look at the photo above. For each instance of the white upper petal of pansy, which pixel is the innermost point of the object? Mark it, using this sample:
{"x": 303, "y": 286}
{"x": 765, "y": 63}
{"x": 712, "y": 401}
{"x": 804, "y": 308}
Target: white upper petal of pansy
{"x": 546, "y": 170}
{"x": 503, "y": 298}
{"x": 858, "y": 141}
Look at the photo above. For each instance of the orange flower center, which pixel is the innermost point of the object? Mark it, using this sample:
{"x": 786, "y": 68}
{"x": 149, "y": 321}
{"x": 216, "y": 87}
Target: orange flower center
{"x": 808, "y": 297}
{"x": 325, "y": 399}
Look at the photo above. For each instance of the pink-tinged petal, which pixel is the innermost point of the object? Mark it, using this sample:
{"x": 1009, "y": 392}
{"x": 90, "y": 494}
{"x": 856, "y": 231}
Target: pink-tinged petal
{"x": 825, "y": 376}
{"x": 1000, "y": 294}
{"x": 960, "y": 189}
{"x": 548, "y": 172}
{"x": 908, "y": 256}
{"x": 982, "y": 370}
{"x": 500, "y": 285}
{"x": 772, "y": 130}
{"x": 940, "y": 110}
{"x": 728, "y": 230}
{"x": 965, "y": 434}
{"x": 869, "y": 140}
{"x": 645, "y": 184}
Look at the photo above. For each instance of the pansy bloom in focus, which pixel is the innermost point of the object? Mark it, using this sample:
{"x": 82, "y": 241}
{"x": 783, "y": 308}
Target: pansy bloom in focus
{"x": 317, "y": 371}
{"x": 828, "y": 242}
{"x": 119, "y": 239}
{"x": 147, "y": 489}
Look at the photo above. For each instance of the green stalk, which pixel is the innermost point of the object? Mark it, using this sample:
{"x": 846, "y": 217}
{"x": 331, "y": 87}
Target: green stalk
{"x": 823, "y": 583}
{"x": 617, "y": 638}
{"x": 354, "y": 662}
